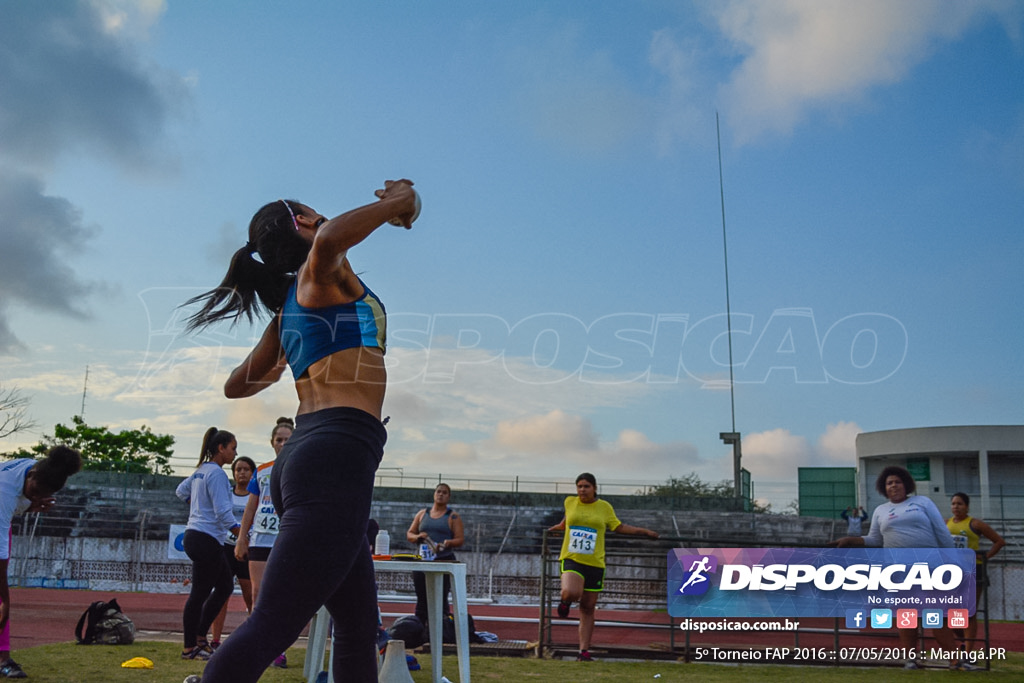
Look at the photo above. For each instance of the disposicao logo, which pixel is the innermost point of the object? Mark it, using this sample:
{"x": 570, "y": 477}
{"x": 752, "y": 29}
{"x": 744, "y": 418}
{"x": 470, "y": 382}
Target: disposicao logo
{"x": 695, "y": 580}
{"x": 817, "y": 582}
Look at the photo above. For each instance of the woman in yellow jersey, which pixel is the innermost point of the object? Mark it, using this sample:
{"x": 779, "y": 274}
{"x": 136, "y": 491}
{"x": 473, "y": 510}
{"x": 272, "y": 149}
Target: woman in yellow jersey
{"x": 582, "y": 558}
{"x": 967, "y": 531}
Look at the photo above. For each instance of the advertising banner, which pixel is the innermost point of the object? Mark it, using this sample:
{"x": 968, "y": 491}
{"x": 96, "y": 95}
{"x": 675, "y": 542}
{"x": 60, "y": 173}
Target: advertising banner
{"x": 821, "y": 582}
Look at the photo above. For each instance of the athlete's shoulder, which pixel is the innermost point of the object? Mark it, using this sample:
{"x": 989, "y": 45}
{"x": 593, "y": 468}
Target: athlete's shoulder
{"x": 15, "y": 467}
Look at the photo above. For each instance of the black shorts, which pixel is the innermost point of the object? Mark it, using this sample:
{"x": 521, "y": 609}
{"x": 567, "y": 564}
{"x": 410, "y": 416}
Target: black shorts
{"x": 239, "y": 568}
{"x": 258, "y": 554}
{"x": 593, "y": 577}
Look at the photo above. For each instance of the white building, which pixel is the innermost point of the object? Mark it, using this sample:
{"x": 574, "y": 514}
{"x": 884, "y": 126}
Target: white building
{"x": 986, "y": 463}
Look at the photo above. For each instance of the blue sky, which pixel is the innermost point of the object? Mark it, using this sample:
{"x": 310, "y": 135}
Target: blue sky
{"x": 560, "y": 304}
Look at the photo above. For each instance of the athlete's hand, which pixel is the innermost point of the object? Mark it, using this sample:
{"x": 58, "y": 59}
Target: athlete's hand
{"x": 400, "y": 191}
{"x": 41, "y": 505}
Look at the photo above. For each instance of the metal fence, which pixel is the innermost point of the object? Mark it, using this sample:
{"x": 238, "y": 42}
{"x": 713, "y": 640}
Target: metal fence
{"x": 115, "y": 535}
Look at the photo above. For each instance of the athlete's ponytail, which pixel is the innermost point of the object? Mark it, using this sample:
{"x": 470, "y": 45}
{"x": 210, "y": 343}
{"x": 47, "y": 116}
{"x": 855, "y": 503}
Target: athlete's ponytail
{"x": 254, "y": 286}
{"x": 212, "y": 441}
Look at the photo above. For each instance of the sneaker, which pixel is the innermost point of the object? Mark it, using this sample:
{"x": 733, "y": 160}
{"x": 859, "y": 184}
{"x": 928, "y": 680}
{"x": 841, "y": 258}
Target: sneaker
{"x": 214, "y": 644}
{"x": 912, "y": 664}
{"x": 11, "y": 669}
{"x": 584, "y": 656}
{"x": 563, "y": 609}
{"x": 281, "y": 662}
{"x": 198, "y": 652}
{"x": 192, "y": 679}
{"x": 412, "y": 663}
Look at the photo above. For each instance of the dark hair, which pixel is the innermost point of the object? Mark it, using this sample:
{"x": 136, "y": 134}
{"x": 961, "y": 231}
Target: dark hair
{"x": 964, "y": 496}
{"x": 247, "y": 460}
{"x": 252, "y": 287}
{"x": 440, "y": 484}
{"x": 282, "y": 422}
{"x": 212, "y": 441}
{"x": 52, "y": 472}
{"x": 587, "y": 476}
{"x": 897, "y": 471}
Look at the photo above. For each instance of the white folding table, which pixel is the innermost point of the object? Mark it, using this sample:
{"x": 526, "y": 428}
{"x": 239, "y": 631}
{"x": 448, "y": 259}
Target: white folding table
{"x": 435, "y": 572}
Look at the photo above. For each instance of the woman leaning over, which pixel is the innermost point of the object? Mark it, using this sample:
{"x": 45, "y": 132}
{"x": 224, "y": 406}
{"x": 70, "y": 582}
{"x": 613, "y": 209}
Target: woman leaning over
{"x": 330, "y": 328}
{"x": 210, "y": 520}
{"x": 26, "y": 485}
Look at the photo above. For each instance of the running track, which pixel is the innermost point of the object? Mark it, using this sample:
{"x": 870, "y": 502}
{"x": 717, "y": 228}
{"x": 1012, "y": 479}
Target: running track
{"x": 42, "y": 616}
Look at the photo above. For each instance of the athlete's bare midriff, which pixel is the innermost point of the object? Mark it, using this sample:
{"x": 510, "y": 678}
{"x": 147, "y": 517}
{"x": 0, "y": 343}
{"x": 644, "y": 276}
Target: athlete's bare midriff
{"x": 350, "y": 378}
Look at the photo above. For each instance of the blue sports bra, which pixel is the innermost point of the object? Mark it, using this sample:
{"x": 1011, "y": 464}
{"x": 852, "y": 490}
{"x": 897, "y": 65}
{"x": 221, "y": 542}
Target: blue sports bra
{"x": 309, "y": 334}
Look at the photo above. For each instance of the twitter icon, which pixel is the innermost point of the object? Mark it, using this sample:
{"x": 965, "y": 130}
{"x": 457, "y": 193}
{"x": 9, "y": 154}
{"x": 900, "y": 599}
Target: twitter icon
{"x": 881, "y": 618}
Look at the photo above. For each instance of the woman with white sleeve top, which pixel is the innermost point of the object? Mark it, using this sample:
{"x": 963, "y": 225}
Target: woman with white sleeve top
{"x": 210, "y": 519}
{"x": 906, "y": 520}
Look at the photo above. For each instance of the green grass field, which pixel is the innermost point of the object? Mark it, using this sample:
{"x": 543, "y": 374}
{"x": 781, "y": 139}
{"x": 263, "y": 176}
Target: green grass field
{"x": 69, "y": 663}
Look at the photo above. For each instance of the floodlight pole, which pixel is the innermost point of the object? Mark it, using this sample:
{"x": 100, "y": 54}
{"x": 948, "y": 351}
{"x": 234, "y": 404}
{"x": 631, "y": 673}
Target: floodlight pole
{"x": 732, "y": 437}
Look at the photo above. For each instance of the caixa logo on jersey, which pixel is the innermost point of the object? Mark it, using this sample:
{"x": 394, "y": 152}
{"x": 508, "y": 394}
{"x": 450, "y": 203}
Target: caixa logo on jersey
{"x": 816, "y": 582}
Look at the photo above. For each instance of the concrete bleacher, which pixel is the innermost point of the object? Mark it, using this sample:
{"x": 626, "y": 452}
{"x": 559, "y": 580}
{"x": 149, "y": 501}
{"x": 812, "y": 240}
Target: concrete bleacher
{"x": 101, "y": 520}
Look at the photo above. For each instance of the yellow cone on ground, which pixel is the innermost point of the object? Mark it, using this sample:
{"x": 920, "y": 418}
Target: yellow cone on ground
{"x": 137, "y": 663}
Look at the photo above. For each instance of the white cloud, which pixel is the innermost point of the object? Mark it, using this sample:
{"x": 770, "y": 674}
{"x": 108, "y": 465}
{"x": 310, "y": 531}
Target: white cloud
{"x": 134, "y": 17}
{"x": 546, "y": 433}
{"x": 805, "y": 54}
{"x": 776, "y": 454}
{"x": 838, "y": 445}
{"x": 553, "y": 446}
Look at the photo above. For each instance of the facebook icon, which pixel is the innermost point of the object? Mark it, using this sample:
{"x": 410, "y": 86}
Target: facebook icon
{"x": 855, "y": 618}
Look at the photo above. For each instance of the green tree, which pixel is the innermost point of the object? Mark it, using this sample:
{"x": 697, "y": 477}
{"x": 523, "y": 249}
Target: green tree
{"x": 691, "y": 486}
{"x": 138, "y": 451}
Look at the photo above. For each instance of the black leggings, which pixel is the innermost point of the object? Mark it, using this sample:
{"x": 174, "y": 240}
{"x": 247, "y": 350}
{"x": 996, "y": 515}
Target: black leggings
{"x": 322, "y": 485}
{"x": 212, "y": 583}
{"x": 419, "y": 583}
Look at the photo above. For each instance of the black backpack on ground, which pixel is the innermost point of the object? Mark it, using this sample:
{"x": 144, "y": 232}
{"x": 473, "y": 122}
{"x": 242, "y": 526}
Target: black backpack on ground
{"x": 410, "y": 629}
{"x": 448, "y": 629}
{"x": 105, "y": 624}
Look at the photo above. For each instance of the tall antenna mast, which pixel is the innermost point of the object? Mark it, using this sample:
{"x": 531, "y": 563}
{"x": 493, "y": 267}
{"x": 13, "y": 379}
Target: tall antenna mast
{"x": 731, "y": 437}
{"x": 85, "y": 390}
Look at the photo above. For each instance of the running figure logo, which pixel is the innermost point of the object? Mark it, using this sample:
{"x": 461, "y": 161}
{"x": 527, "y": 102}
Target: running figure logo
{"x": 696, "y": 581}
